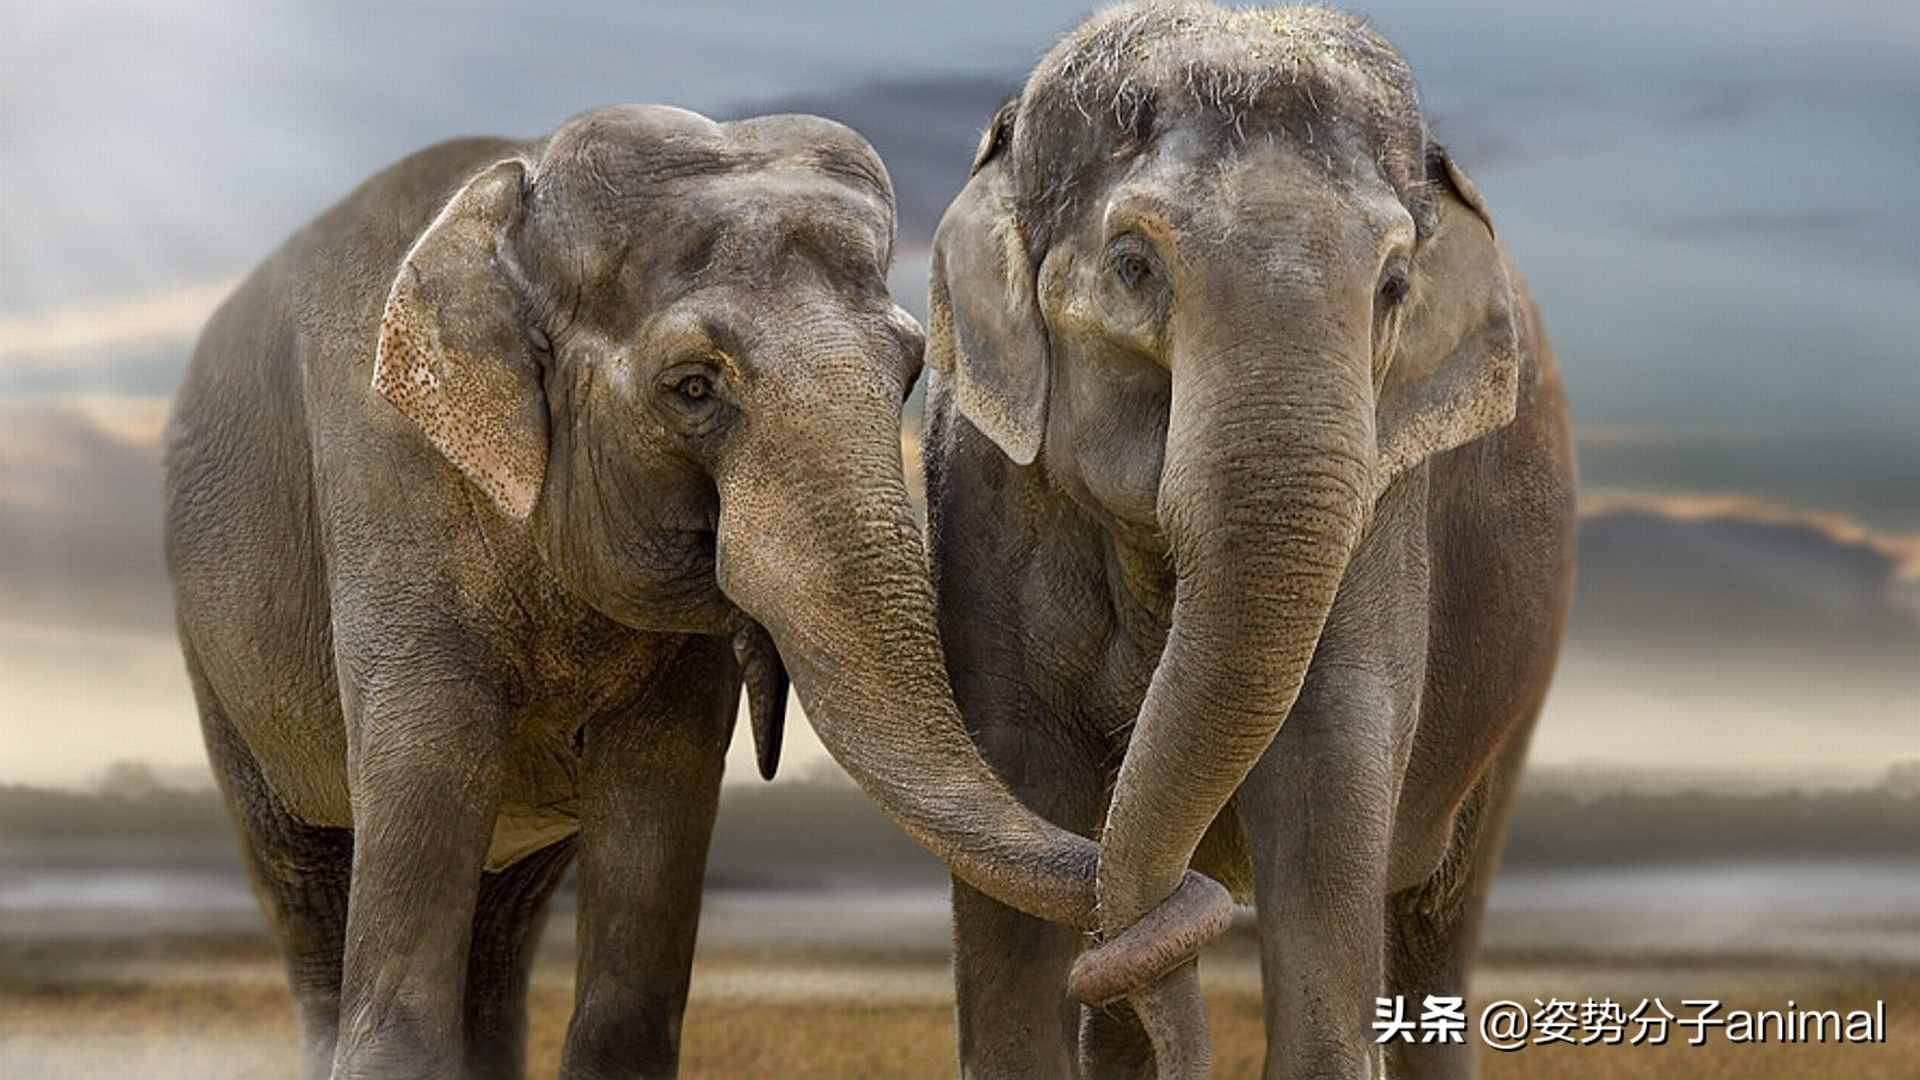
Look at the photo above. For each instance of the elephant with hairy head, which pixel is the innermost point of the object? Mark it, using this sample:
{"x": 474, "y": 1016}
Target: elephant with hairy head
{"x": 485, "y": 495}
{"x": 1251, "y": 512}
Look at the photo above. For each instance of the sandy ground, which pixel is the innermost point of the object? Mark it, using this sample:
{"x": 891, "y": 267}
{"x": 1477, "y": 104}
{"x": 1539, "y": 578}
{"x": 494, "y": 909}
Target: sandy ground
{"x": 214, "y": 1007}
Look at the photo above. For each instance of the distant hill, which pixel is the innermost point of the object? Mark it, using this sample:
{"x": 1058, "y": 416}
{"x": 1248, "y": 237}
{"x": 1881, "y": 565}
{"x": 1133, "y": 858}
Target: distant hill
{"x": 1727, "y": 575}
{"x": 925, "y": 129}
{"x": 1714, "y": 632}
{"x": 816, "y": 832}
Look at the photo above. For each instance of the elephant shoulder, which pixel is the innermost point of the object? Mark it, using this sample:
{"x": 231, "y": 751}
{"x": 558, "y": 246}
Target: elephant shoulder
{"x": 340, "y": 266}
{"x": 1535, "y": 442}
{"x": 979, "y": 527}
{"x": 1538, "y": 441}
{"x": 1510, "y": 496}
{"x": 961, "y": 465}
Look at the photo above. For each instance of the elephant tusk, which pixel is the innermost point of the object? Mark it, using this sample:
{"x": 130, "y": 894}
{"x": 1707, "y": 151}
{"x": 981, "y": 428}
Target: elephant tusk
{"x": 766, "y": 681}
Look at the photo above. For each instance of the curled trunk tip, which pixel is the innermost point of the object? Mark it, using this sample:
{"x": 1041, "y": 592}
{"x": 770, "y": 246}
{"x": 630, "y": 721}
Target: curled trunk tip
{"x": 1197, "y": 913}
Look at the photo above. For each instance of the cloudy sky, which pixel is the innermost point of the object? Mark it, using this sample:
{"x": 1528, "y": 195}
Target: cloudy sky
{"x": 1714, "y": 202}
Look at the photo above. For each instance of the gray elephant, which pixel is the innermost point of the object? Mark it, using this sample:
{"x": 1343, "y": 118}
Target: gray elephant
{"x": 1251, "y": 512}
{"x": 485, "y": 494}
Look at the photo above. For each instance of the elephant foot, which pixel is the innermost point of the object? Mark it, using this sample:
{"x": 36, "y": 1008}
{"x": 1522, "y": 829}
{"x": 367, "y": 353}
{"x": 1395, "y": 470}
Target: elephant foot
{"x": 1170, "y": 935}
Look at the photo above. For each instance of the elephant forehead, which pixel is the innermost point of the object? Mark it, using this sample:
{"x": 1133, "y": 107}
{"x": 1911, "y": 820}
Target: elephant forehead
{"x": 1133, "y": 77}
{"x": 768, "y": 230}
{"x": 814, "y": 143}
{"x": 624, "y": 149}
{"x": 768, "y": 216}
{"x": 656, "y": 182}
{"x": 1223, "y": 55}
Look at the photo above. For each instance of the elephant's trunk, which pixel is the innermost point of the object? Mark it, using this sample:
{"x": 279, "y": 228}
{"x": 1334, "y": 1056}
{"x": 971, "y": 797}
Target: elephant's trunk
{"x": 827, "y": 556}
{"x": 1262, "y": 500}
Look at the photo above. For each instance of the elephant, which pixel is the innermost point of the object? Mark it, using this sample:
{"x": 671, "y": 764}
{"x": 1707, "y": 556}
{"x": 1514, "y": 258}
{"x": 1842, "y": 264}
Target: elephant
{"x": 486, "y": 494}
{"x": 1250, "y": 508}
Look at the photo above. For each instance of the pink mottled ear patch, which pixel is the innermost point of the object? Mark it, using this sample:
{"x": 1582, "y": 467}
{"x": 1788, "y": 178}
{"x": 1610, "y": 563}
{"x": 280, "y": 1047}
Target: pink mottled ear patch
{"x": 451, "y": 357}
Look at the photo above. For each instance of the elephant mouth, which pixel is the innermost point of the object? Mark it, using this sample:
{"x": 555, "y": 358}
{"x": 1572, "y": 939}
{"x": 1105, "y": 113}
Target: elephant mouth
{"x": 667, "y": 582}
{"x": 689, "y": 557}
{"x": 695, "y": 563}
{"x": 703, "y": 554}
{"x": 679, "y": 559}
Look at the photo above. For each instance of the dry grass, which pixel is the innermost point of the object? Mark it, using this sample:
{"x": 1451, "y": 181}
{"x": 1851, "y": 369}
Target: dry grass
{"x": 750, "y": 1039}
{"x": 209, "y": 1028}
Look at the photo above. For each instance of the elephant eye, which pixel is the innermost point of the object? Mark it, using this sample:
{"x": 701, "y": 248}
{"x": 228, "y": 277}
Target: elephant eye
{"x": 1393, "y": 287}
{"x": 1132, "y": 269}
{"x": 694, "y": 400}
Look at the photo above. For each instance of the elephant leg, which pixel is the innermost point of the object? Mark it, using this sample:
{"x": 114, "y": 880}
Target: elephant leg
{"x": 507, "y": 921}
{"x": 424, "y": 762}
{"x": 649, "y": 788}
{"x": 1434, "y": 927}
{"x": 1317, "y": 814}
{"x": 1010, "y": 969}
{"x": 1010, "y": 977}
{"x": 299, "y": 871}
{"x": 1113, "y": 1043}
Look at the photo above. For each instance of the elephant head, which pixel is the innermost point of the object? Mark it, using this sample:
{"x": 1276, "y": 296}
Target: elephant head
{"x": 1213, "y": 274}
{"x": 665, "y": 347}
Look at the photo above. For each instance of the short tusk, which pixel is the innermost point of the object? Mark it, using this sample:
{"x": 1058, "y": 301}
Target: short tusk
{"x": 766, "y": 681}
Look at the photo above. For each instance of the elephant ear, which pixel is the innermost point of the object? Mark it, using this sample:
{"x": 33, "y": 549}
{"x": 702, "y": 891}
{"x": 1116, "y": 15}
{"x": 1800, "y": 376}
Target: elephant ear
{"x": 985, "y": 330}
{"x": 1457, "y": 373}
{"x": 453, "y": 357}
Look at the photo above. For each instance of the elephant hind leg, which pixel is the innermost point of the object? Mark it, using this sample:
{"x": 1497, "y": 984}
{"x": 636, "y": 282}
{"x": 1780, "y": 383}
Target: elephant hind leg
{"x": 508, "y": 918}
{"x": 300, "y": 872}
{"x": 1434, "y": 927}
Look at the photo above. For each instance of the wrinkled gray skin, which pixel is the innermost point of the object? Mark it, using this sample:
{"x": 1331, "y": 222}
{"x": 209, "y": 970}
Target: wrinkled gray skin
{"x": 1239, "y": 419}
{"x": 484, "y": 494}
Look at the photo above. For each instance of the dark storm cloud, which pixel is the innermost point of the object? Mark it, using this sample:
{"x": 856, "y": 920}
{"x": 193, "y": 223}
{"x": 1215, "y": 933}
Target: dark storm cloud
{"x": 1867, "y": 473}
{"x": 1516, "y": 124}
{"x": 153, "y": 369}
{"x": 1769, "y": 581}
{"x": 149, "y": 145}
{"x": 1719, "y": 106}
{"x": 79, "y": 522}
{"x": 925, "y": 129}
{"x": 1624, "y": 148}
{"x": 1810, "y": 224}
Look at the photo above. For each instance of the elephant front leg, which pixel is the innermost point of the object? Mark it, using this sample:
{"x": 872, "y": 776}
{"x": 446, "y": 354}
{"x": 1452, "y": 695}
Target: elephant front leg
{"x": 1015, "y": 1020}
{"x": 649, "y": 788}
{"x": 1317, "y": 809}
{"x": 424, "y": 763}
